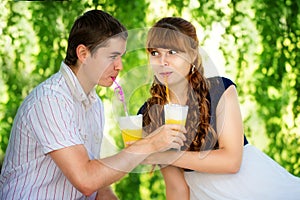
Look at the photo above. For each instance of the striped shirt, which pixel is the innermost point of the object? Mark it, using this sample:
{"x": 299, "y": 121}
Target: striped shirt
{"x": 55, "y": 115}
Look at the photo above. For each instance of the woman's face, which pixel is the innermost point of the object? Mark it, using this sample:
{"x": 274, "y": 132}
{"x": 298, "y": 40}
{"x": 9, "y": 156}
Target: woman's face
{"x": 170, "y": 65}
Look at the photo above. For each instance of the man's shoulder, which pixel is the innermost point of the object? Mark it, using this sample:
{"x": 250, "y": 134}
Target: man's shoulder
{"x": 53, "y": 87}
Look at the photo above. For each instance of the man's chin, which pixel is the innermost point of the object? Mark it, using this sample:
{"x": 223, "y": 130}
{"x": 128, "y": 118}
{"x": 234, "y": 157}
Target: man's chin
{"x": 107, "y": 84}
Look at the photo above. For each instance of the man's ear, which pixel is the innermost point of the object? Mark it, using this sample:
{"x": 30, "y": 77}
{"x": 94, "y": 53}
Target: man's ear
{"x": 82, "y": 52}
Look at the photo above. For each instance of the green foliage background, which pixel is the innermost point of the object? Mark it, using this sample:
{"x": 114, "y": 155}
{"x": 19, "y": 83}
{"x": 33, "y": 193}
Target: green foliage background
{"x": 260, "y": 42}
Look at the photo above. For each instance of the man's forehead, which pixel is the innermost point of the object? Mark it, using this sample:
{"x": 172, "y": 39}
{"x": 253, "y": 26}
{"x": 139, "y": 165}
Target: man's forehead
{"x": 115, "y": 45}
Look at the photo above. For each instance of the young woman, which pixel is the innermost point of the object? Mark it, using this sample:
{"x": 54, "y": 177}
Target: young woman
{"x": 216, "y": 161}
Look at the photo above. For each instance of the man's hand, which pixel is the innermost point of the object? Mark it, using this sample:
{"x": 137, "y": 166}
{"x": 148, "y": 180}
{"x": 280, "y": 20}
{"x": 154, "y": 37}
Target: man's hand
{"x": 106, "y": 194}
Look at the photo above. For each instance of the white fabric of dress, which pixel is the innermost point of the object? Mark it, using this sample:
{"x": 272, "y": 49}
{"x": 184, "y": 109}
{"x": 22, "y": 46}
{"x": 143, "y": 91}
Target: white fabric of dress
{"x": 259, "y": 178}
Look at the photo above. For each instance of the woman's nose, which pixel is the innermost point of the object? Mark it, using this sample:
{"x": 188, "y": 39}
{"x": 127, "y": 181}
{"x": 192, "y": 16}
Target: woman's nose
{"x": 164, "y": 60}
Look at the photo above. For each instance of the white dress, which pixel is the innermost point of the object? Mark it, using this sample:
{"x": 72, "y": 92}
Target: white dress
{"x": 259, "y": 178}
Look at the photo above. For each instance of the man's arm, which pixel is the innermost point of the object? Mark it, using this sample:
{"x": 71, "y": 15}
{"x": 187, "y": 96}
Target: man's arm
{"x": 89, "y": 176}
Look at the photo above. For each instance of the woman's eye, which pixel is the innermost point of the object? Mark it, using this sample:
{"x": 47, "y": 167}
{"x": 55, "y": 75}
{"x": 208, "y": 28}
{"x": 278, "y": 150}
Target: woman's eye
{"x": 154, "y": 53}
{"x": 172, "y": 52}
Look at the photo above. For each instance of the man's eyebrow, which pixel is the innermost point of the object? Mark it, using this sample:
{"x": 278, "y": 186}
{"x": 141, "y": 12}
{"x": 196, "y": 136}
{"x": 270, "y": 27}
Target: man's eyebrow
{"x": 117, "y": 53}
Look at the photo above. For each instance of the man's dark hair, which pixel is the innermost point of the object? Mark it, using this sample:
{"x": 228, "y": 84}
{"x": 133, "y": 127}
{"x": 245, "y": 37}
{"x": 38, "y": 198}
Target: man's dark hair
{"x": 93, "y": 29}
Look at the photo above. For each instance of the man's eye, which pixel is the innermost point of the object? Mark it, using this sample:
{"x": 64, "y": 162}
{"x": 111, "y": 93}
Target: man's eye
{"x": 172, "y": 52}
{"x": 154, "y": 53}
{"x": 113, "y": 57}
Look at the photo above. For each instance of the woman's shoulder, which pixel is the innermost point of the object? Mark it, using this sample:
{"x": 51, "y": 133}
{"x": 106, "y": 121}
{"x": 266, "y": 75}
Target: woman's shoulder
{"x": 220, "y": 82}
{"x": 217, "y": 86}
{"x": 142, "y": 108}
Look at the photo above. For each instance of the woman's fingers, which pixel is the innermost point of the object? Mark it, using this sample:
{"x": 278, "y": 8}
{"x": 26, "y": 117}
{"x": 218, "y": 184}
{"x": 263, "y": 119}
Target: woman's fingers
{"x": 176, "y": 127}
{"x": 168, "y": 136}
{"x": 175, "y": 136}
{"x": 178, "y": 140}
{"x": 179, "y": 135}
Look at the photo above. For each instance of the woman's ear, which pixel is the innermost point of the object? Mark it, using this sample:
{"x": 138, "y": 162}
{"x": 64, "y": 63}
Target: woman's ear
{"x": 82, "y": 52}
{"x": 193, "y": 56}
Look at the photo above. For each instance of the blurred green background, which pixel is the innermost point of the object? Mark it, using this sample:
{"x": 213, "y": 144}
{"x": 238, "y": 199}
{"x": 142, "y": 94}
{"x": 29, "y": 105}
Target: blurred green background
{"x": 255, "y": 43}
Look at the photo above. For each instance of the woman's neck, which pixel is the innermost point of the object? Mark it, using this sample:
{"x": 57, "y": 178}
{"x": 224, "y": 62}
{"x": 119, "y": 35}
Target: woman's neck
{"x": 178, "y": 94}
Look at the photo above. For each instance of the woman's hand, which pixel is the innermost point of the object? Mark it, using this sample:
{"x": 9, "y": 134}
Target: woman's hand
{"x": 169, "y": 136}
{"x": 163, "y": 158}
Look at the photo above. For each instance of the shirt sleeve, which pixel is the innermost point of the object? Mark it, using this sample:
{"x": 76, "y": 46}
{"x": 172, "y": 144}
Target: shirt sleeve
{"x": 53, "y": 124}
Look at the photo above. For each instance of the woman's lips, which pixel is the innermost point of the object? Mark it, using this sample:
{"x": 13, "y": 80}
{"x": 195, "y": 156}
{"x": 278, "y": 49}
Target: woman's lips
{"x": 165, "y": 74}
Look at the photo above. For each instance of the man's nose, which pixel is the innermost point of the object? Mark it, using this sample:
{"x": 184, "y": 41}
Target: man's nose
{"x": 118, "y": 63}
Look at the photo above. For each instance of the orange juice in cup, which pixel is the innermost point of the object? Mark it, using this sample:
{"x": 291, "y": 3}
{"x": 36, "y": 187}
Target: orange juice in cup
{"x": 175, "y": 114}
{"x": 173, "y": 121}
{"x": 131, "y": 128}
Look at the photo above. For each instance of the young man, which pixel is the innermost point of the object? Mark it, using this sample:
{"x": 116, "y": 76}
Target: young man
{"x": 56, "y": 136}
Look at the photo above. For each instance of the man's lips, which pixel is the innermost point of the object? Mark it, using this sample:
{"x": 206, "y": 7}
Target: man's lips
{"x": 114, "y": 77}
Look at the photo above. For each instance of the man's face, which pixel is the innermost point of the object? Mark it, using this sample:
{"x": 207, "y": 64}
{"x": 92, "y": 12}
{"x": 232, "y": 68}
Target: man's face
{"x": 103, "y": 65}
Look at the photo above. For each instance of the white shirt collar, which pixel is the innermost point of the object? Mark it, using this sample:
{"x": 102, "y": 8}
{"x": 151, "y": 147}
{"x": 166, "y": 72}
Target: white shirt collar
{"x": 76, "y": 88}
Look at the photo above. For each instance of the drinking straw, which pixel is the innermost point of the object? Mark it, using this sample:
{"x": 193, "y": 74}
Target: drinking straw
{"x": 119, "y": 91}
{"x": 167, "y": 89}
{"x": 168, "y": 99}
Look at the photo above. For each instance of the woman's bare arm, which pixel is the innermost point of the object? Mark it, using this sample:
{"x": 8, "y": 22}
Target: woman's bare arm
{"x": 176, "y": 186}
{"x": 226, "y": 159}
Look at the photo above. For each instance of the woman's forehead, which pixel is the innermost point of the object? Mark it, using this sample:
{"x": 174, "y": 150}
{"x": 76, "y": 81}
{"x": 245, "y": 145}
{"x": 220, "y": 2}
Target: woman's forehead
{"x": 167, "y": 39}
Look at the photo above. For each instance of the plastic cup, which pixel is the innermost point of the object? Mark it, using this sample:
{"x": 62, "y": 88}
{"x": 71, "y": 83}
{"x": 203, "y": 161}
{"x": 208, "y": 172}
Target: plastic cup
{"x": 131, "y": 128}
{"x": 175, "y": 114}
